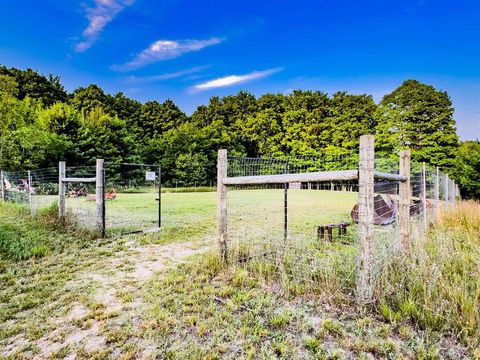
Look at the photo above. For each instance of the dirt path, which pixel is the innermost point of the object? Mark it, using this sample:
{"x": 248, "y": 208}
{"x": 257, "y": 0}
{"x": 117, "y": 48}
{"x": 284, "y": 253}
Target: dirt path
{"x": 114, "y": 300}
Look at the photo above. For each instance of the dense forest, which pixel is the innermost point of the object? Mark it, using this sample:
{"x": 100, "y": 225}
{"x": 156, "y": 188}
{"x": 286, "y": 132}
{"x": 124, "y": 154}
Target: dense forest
{"x": 41, "y": 123}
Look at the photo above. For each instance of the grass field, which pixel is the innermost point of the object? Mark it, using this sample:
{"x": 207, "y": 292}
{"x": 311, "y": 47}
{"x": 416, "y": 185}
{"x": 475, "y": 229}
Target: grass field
{"x": 137, "y": 211}
{"x": 65, "y": 294}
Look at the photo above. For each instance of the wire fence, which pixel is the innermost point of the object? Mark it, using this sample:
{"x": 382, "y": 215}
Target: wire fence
{"x": 275, "y": 228}
{"x": 132, "y": 198}
{"x": 306, "y": 234}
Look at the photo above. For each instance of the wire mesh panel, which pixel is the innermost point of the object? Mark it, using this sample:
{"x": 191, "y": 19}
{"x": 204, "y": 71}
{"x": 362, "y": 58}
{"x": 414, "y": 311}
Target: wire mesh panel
{"x": 80, "y": 196}
{"x": 386, "y": 208}
{"x": 300, "y": 233}
{"x": 132, "y": 202}
{"x": 16, "y": 187}
{"x": 44, "y": 183}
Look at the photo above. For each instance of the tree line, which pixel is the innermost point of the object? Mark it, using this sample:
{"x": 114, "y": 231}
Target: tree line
{"x": 41, "y": 123}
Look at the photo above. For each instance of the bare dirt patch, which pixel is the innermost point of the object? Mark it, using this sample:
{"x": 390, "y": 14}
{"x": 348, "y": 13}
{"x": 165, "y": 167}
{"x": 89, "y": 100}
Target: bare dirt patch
{"x": 114, "y": 298}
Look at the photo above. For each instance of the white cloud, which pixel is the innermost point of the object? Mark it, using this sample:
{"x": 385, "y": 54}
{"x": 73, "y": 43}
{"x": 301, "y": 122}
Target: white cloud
{"x": 98, "y": 17}
{"x": 234, "y": 80}
{"x": 166, "y": 49}
{"x": 166, "y": 76}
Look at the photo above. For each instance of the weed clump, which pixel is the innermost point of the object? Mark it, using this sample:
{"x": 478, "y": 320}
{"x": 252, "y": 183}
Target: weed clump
{"x": 23, "y": 236}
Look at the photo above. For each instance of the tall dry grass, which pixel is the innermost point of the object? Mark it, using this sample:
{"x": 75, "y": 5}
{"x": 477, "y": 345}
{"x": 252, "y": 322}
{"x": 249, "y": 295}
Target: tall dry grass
{"x": 437, "y": 283}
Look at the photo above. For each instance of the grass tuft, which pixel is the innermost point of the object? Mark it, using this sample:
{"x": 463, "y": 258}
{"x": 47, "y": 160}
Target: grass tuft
{"x": 436, "y": 285}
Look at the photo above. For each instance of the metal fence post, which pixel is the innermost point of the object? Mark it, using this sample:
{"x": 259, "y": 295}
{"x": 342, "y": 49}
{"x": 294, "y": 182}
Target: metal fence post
{"x": 2, "y": 186}
{"x": 100, "y": 197}
{"x": 437, "y": 194}
{"x": 404, "y": 200}
{"x": 447, "y": 195}
{"x": 30, "y": 189}
{"x": 285, "y": 206}
{"x": 159, "y": 196}
{"x": 424, "y": 200}
{"x": 364, "y": 273}
{"x": 61, "y": 190}
{"x": 222, "y": 204}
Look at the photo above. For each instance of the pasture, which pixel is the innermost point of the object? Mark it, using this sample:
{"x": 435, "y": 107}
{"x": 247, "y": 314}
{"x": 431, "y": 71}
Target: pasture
{"x": 262, "y": 208}
{"x": 167, "y": 295}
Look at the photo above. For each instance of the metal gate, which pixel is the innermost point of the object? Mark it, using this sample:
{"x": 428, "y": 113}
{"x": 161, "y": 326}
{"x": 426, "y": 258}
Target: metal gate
{"x": 132, "y": 198}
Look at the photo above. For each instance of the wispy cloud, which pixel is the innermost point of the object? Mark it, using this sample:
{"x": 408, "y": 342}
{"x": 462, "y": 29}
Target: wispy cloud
{"x": 234, "y": 80}
{"x": 166, "y": 49}
{"x": 98, "y": 17}
{"x": 166, "y": 76}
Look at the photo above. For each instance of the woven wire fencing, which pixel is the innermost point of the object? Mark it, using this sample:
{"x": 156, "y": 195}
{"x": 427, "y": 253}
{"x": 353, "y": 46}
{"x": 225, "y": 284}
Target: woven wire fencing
{"x": 386, "y": 234}
{"x": 132, "y": 202}
{"x": 33, "y": 189}
{"x": 44, "y": 189}
{"x": 16, "y": 188}
{"x": 306, "y": 234}
{"x": 275, "y": 228}
{"x": 38, "y": 190}
{"x": 80, "y": 196}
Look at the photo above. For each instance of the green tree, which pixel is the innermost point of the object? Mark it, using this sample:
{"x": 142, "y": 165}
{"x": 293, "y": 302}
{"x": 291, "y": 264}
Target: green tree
{"x": 15, "y": 115}
{"x": 126, "y": 109}
{"x": 90, "y": 98}
{"x": 190, "y": 169}
{"x": 156, "y": 118}
{"x": 419, "y": 117}
{"x": 62, "y": 119}
{"x": 106, "y": 137}
{"x": 226, "y": 120}
{"x": 8, "y": 85}
{"x": 467, "y": 169}
{"x": 348, "y": 118}
{"x": 47, "y": 89}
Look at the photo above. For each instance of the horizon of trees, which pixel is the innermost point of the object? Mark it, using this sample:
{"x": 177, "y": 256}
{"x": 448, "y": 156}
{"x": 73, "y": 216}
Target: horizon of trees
{"x": 41, "y": 123}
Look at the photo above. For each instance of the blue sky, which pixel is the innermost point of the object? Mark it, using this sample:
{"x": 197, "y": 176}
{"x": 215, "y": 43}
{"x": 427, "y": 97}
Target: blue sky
{"x": 191, "y": 50}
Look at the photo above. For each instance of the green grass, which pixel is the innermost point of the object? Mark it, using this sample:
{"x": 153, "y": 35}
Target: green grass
{"x": 38, "y": 287}
{"x": 32, "y": 280}
{"x": 137, "y": 211}
{"x": 205, "y": 310}
{"x": 23, "y": 237}
{"x": 437, "y": 283}
{"x": 300, "y": 305}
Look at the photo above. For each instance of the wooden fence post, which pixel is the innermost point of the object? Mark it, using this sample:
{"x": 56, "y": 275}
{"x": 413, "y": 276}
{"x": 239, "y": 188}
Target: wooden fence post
{"x": 100, "y": 196}
{"x": 2, "y": 186}
{"x": 61, "y": 190}
{"x": 404, "y": 200}
{"x": 437, "y": 194}
{"x": 364, "y": 271}
{"x": 222, "y": 204}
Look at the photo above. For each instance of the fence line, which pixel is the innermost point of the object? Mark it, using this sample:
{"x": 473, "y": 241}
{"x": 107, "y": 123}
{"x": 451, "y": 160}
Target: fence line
{"x": 80, "y": 193}
{"x": 391, "y": 201}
